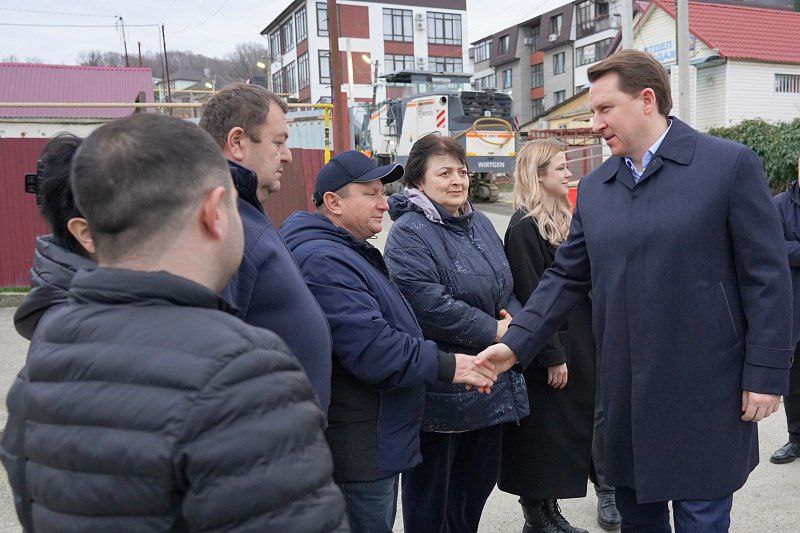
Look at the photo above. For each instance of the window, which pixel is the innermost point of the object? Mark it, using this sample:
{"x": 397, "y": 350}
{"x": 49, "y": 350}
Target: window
{"x": 558, "y": 63}
{"x": 537, "y": 75}
{"x": 322, "y": 19}
{"x": 592, "y": 52}
{"x": 584, "y": 14}
{"x": 537, "y": 107}
{"x": 503, "y": 48}
{"x": 482, "y": 50}
{"x": 535, "y": 37}
{"x": 560, "y": 96}
{"x": 507, "y": 79}
{"x": 444, "y": 28}
{"x": 787, "y": 83}
{"x": 300, "y": 25}
{"x": 289, "y": 78}
{"x": 287, "y": 36}
{"x": 275, "y": 44}
{"x": 325, "y": 67}
{"x": 395, "y": 62}
{"x": 397, "y": 25}
{"x": 555, "y": 25}
{"x": 446, "y": 64}
{"x": 277, "y": 82}
{"x": 303, "y": 78}
{"x": 486, "y": 82}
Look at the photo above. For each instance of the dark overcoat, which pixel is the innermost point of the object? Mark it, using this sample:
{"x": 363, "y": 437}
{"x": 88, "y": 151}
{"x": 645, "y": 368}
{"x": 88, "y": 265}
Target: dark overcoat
{"x": 546, "y": 455}
{"x": 691, "y": 305}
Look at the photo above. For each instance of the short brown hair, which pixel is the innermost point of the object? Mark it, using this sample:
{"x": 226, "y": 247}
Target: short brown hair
{"x": 637, "y": 71}
{"x": 239, "y": 104}
{"x": 431, "y": 144}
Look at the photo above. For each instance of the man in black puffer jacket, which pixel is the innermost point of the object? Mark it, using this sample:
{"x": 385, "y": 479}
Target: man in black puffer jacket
{"x": 148, "y": 405}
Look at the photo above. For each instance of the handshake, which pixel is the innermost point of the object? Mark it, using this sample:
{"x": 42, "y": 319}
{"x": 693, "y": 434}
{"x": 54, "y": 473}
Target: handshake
{"x": 481, "y": 371}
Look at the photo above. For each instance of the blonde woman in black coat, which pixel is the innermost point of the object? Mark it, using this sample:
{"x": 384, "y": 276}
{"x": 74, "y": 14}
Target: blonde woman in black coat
{"x": 547, "y": 456}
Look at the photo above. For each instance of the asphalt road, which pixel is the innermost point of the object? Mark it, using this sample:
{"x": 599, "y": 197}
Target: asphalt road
{"x": 769, "y": 502}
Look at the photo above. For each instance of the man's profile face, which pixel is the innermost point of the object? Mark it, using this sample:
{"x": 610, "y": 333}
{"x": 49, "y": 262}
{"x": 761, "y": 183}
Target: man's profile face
{"x": 363, "y": 208}
{"x": 618, "y": 116}
{"x": 268, "y": 156}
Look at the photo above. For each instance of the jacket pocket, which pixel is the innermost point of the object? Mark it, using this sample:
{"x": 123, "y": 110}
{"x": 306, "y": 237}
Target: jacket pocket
{"x": 724, "y": 317}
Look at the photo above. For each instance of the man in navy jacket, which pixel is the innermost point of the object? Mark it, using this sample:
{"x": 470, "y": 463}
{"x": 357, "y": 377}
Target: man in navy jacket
{"x": 788, "y": 204}
{"x": 249, "y": 123}
{"x": 381, "y": 363}
{"x": 677, "y": 237}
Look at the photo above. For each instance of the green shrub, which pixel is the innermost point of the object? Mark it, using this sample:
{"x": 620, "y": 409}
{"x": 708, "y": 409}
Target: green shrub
{"x": 777, "y": 144}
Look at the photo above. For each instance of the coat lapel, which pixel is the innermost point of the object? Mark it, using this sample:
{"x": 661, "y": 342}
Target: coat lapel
{"x": 678, "y": 146}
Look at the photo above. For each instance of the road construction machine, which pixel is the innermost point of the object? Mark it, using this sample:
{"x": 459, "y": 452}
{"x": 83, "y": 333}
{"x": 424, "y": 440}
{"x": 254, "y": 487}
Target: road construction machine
{"x": 480, "y": 120}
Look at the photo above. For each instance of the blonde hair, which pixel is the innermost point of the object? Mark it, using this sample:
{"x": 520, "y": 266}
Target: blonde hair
{"x": 533, "y": 160}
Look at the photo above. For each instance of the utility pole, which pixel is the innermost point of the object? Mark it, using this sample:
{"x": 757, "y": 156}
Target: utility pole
{"x": 124, "y": 42}
{"x": 627, "y": 24}
{"x": 140, "y": 52}
{"x": 341, "y": 120}
{"x": 682, "y": 19}
{"x": 166, "y": 68}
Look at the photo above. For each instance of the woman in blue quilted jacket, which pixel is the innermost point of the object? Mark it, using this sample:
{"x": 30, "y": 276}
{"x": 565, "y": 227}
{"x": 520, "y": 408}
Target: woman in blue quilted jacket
{"x": 450, "y": 265}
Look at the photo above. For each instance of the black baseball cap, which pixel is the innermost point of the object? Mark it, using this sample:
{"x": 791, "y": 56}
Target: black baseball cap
{"x": 352, "y": 166}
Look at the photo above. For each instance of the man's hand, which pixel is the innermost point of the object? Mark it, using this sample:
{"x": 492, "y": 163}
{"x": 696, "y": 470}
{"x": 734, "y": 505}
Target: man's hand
{"x": 502, "y": 324}
{"x": 557, "y": 376}
{"x": 472, "y": 374}
{"x": 757, "y": 407}
{"x": 497, "y": 357}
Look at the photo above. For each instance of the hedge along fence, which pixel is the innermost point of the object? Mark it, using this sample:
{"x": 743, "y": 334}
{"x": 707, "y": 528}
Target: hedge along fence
{"x": 777, "y": 144}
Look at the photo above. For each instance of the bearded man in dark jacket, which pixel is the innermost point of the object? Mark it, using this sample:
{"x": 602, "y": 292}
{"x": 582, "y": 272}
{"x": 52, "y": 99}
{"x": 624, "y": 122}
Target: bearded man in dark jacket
{"x": 148, "y": 406}
{"x": 249, "y": 124}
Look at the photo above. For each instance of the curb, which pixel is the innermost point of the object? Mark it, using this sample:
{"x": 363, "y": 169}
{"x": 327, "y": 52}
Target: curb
{"x": 11, "y": 299}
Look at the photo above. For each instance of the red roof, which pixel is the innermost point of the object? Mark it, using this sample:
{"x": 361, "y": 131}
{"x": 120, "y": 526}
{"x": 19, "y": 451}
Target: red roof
{"x": 741, "y": 32}
{"x": 26, "y": 82}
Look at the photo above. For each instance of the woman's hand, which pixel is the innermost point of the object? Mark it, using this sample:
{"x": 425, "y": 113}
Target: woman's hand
{"x": 502, "y": 324}
{"x": 557, "y": 376}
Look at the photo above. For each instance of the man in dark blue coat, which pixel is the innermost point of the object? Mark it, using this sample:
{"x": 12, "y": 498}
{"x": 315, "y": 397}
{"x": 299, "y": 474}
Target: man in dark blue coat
{"x": 788, "y": 204}
{"x": 677, "y": 237}
{"x": 381, "y": 363}
{"x": 249, "y": 123}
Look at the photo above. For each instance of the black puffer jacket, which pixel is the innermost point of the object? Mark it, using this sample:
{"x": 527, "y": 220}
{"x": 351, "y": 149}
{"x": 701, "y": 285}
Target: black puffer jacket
{"x": 147, "y": 408}
{"x": 52, "y": 272}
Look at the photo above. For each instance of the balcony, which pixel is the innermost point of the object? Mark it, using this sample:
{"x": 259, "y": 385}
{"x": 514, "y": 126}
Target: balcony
{"x": 596, "y": 25}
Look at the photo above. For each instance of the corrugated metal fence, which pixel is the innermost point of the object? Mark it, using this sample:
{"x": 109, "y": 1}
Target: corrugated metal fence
{"x": 20, "y": 221}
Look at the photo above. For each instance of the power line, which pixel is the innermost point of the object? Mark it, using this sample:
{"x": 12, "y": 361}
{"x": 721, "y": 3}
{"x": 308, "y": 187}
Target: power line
{"x": 40, "y": 12}
{"x": 206, "y": 19}
{"x": 76, "y": 25}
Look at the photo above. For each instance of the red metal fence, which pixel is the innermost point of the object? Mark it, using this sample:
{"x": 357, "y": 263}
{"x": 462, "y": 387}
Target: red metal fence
{"x": 20, "y": 221}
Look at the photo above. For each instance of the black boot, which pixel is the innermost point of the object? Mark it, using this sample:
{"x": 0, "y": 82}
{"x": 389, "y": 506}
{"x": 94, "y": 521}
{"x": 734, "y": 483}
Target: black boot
{"x": 607, "y": 513}
{"x": 785, "y": 454}
{"x": 536, "y": 518}
{"x": 552, "y": 508}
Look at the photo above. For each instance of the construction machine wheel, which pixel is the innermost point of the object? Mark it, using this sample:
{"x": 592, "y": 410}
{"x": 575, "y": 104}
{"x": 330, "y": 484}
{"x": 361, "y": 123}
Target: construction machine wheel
{"x": 482, "y": 188}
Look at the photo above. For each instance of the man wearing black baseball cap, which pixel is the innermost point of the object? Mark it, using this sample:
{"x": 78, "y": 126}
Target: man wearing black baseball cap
{"x": 381, "y": 363}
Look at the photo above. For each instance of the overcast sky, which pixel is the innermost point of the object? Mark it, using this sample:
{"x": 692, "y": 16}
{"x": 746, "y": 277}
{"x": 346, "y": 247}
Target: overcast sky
{"x": 210, "y": 27}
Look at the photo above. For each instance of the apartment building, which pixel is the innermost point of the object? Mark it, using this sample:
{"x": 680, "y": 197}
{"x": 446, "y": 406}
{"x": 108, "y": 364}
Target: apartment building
{"x": 383, "y": 37}
{"x": 542, "y": 61}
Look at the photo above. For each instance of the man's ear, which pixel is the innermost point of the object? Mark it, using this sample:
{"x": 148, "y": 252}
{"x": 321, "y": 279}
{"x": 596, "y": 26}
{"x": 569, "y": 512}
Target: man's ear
{"x": 214, "y": 213}
{"x": 235, "y": 143}
{"x": 333, "y": 202}
{"x": 649, "y": 100}
{"x": 79, "y": 229}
